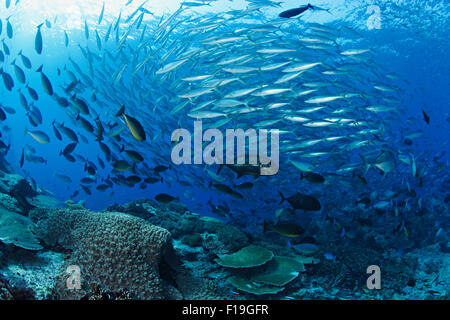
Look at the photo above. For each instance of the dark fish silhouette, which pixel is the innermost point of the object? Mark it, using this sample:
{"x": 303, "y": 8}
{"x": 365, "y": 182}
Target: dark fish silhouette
{"x": 22, "y": 158}
{"x": 165, "y": 198}
{"x": 302, "y": 201}
{"x": 426, "y": 117}
{"x": 295, "y": 12}
{"x": 38, "y": 39}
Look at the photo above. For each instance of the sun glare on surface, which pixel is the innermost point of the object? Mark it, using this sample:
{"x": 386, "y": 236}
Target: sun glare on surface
{"x": 70, "y": 14}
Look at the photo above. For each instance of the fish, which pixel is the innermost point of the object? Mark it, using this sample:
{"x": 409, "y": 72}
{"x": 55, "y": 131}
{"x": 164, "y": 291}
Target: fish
{"x": 35, "y": 159}
{"x": 22, "y": 158}
{"x": 2, "y": 115}
{"x": 243, "y": 170}
{"x": 133, "y": 179}
{"x": 303, "y": 166}
{"x": 301, "y": 201}
{"x": 86, "y": 30}
{"x": 170, "y": 67}
{"x": 66, "y": 39}
{"x": 6, "y": 48}
{"x": 80, "y": 105}
{"x": 63, "y": 177}
{"x": 295, "y": 12}
{"x": 37, "y": 135}
{"x": 69, "y": 133}
{"x": 289, "y": 230}
{"x": 152, "y": 180}
{"x": 38, "y": 39}
{"x": 56, "y": 131}
{"x": 227, "y": 190}
{"x": 99, "y": 41}
{"x": 7, "y": 80}
{"x": 102, "y": 187}
{"x": 9, "y": 28}
{"x": 134, "y": 155}
{"x": 25, "y": 61}
{"x": 69, "y": 148}
{"x": 87, "y": 180}
{"x": 312, "y": 177}
{"x": 121, "y": 165}
{"x": 245, "y": 186}
{"x": 165, "y": 198}
{"x": 426, "y": 118}
{"x": 100, "y": 18}
{"x": 33, "y": 94}
{"x": 134, "y": 126}
{"x": 46, "y": 84}
{"x": 20, "y": 75}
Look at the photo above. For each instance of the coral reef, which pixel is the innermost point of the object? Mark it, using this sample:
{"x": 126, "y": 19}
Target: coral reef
{"x": 9, "y": 203}
{"x": 247, "y": 285}
{"x": 247, "y": 257}
{"x": 14, "y": 292}
{"x": 97, "y": 293}
{"x": 16, "y": 229}
{"x": 192, "y": 240}
{"x": 112, "y": 250}
{"x": 147, "y": 250}
{"x": 181, "y": 222}
{"x": 258, "y": 271}
{"x": 31, "y": 269}
{"x": 19, "y": 188}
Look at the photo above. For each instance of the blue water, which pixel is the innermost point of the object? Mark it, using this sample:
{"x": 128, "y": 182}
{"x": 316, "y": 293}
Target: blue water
{"x": 412, "y": 43}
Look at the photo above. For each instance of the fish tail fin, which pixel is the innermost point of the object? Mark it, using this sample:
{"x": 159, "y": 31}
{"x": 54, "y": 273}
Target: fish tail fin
{"x": 367, "y": 165}
{"x": 39, "y": 26}
{"x": 121, "y": 111}
{"x": 282, "y": 197}
{"x": 40, "y": 68}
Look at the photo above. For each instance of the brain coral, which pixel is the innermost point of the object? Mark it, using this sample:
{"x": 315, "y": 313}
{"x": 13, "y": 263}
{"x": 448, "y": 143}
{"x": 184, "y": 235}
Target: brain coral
{"x": 113, "y": 251}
